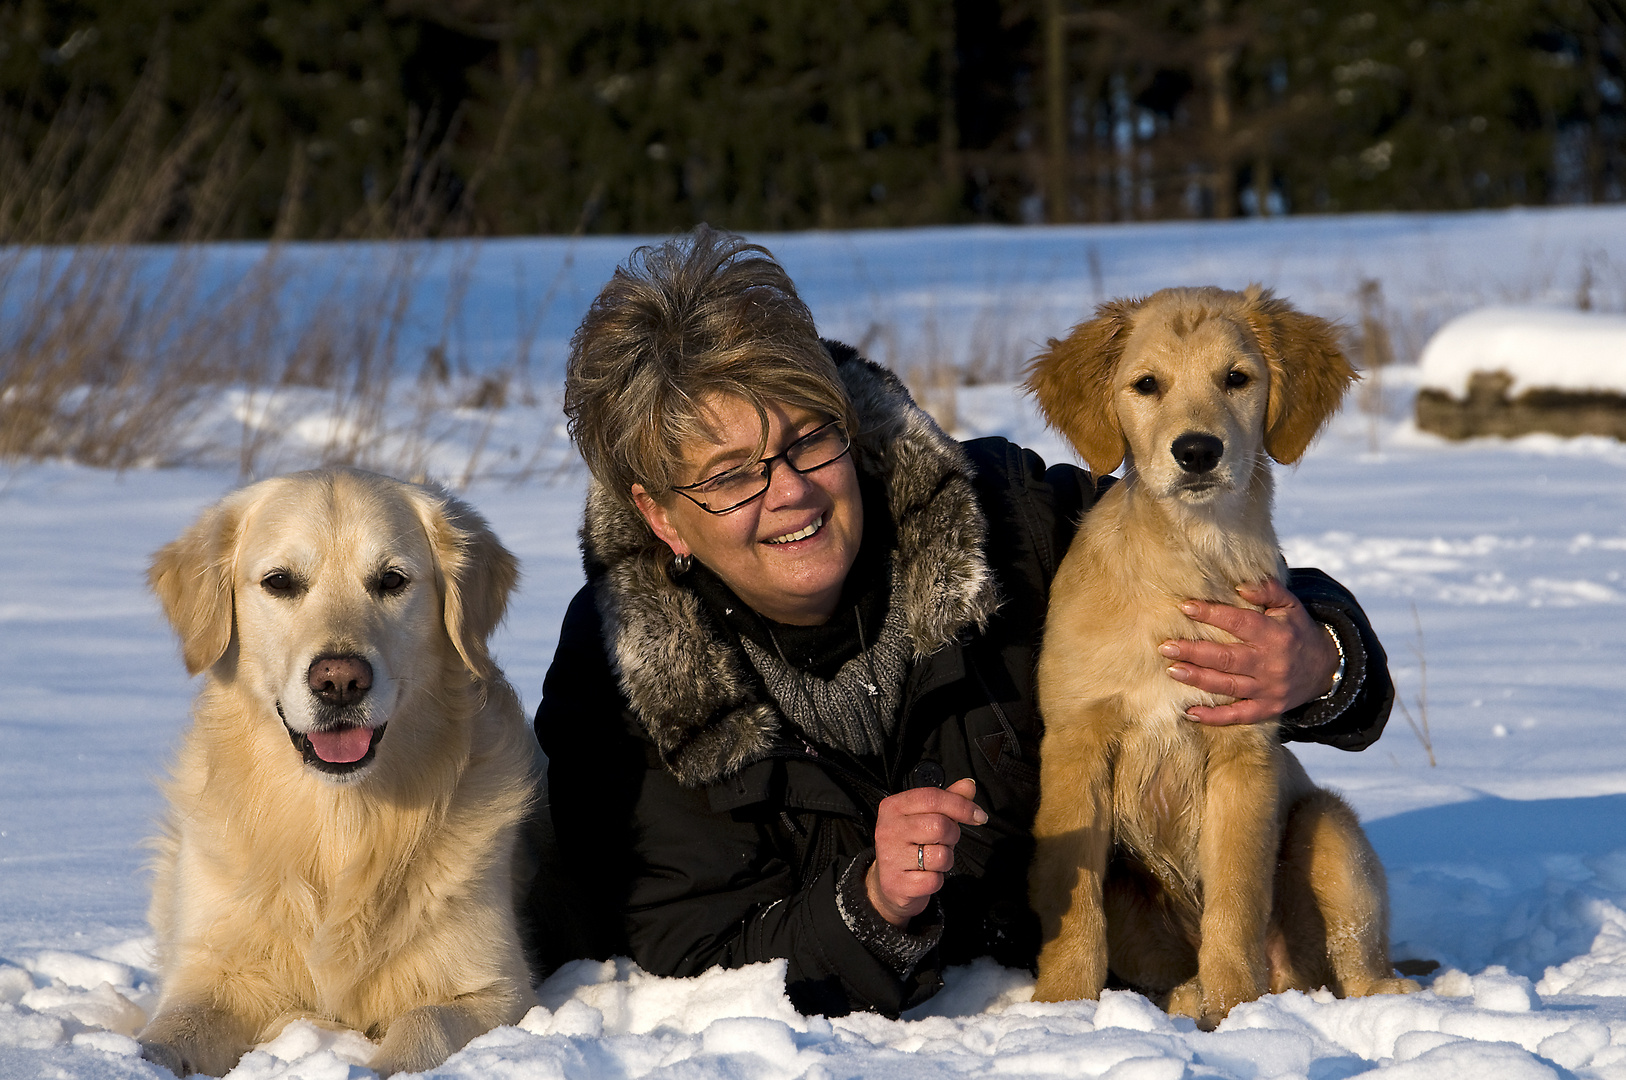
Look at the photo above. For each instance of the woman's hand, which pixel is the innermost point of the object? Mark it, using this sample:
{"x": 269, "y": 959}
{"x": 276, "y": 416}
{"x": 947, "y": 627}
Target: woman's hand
{"x": 915, "y": 834}
{"x": 1281, "y": 659}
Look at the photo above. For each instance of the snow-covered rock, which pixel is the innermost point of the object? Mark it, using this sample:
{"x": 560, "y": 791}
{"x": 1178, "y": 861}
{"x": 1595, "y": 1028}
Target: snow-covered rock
{"x": 1539, "y": 348}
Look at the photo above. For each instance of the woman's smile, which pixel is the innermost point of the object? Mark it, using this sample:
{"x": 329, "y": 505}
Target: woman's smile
{"x": 787, "y": 552}
{"x": 800, "y": 534}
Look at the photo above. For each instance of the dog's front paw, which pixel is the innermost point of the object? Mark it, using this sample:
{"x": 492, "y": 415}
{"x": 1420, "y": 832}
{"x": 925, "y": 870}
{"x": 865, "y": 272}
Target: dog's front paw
{"x": 166, "y": 1057}
{"x": 1383, "y": 986}
{"x": 188, "y": 1062}
{"x": 1208, "y": 1001}
{"x": 188, "y": 1039}
{"x": 1216, "y": 1005}
{"x": 422, "y": 1038}
{"x": 1187, "y": 999}
{"x": 1228, "y": 977}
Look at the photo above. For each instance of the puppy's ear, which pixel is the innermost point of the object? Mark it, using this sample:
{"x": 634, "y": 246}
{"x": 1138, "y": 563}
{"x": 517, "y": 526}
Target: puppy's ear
{"x": 476, "y": 574}
{"x": 1308, "y": 372}
{"x": 193, "y": 579}
{"x": 1072, "y": 379}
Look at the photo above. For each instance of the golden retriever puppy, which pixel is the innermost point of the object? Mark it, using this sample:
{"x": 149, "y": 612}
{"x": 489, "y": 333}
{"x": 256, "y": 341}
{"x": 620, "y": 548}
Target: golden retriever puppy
{"x": 343, "y": 810}
{"x": 1198, "y": 864}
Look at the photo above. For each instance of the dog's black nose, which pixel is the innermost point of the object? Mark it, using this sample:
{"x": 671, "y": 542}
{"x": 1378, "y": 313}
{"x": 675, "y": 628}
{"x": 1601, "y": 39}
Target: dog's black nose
{"x": 340, "y": 680}
{"x": 1197, "y": 453}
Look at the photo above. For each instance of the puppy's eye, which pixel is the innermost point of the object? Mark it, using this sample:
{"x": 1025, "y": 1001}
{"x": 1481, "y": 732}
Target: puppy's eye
{"x": 279, "y": 582}
{"x": 391, "y": 581}
{"x": 1237, "y": 379}
{"x": 1146, "y": 384}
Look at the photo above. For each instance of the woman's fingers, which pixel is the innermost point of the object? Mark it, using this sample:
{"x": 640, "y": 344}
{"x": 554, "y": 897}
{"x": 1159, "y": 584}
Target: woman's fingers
{"x": 1282, "y": 657}
{"x": 953, "y": 802}
{"x": 930, "y": 829}
{"x": 918, "y": 860}
{"x": 929, "y": 859}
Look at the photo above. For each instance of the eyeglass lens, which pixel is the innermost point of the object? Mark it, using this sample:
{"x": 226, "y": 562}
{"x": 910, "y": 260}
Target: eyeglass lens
{"x": 812, "y": 451}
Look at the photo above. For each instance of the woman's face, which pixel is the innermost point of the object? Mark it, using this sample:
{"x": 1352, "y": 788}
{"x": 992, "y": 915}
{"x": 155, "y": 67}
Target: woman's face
{"x": 796, "y": 581}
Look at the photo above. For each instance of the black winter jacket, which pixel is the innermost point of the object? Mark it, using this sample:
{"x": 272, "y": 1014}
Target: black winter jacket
{"x": 701, "y": 829}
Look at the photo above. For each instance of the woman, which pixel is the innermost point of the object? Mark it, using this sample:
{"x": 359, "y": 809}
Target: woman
{"x": 807, "y": 611}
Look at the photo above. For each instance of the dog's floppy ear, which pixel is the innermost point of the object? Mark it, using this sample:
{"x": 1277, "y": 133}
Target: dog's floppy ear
{"x": 1308, "y": 372}
{"x": 476, "y": 574}
{"x": 193, "y": 579}
{"x": 1072, "y": 379}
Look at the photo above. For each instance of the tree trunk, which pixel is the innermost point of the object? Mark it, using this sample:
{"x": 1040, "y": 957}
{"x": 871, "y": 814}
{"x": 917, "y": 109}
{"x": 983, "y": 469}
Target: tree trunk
{"x": 1055, "y": 29}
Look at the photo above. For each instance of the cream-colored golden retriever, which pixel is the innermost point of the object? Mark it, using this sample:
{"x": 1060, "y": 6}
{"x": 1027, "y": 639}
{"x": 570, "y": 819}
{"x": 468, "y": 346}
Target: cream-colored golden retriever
{"x": 1198, "y": 864}
{"x": 343, "y": 810}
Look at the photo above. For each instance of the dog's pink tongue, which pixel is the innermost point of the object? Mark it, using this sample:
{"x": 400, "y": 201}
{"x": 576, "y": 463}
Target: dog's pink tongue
{"x": 341, "y": 746}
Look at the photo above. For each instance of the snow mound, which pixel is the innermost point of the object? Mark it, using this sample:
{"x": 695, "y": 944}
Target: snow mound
{"x": 1540, "y": 348}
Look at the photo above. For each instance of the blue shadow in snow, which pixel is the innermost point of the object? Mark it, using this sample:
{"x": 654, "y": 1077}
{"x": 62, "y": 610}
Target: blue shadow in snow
{"x": 1492, "y": 831}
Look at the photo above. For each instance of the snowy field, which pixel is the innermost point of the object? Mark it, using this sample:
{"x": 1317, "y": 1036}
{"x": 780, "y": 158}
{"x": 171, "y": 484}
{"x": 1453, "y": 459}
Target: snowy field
{"x": 971, "y": 297}
{"x": 1506, "y": 858}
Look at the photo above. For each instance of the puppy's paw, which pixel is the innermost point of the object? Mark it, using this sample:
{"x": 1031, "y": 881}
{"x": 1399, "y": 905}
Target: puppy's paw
{"x": 1217, "y": 1005}
{"x": 1211, "y": 1012}
{"x": 1384, "y": 986}
{"x": 1218, "y": 996}
{"x": 1186, "y": 999}
{"x": 1064, "y": 988}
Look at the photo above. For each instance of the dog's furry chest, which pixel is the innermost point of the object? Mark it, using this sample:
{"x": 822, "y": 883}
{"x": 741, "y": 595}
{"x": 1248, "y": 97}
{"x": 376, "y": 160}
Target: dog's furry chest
{"x": 1116, "y": 598}
{"x": 1160, "y": 775}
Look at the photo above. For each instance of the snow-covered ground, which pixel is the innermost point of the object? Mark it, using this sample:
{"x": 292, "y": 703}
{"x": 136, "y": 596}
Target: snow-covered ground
{"x": 1498, "y": 565}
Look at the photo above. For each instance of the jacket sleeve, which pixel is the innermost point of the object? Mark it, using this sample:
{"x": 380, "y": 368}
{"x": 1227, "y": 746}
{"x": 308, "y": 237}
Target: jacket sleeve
{"x": 1354, "y": 715}
{"x": 714, "y": 889}
{"x": 665, "y": 877}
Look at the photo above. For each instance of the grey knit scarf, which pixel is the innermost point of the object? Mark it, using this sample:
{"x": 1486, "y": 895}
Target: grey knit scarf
{"x": 857, "y": 709}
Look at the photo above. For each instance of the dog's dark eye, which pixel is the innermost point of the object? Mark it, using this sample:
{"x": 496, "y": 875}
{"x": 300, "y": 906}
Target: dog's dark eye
{"x": 391, "y": 581}
{"x": 1146, "y": 384}
{"x": 278, "y": 581}
{"x": 1237, "y": 379}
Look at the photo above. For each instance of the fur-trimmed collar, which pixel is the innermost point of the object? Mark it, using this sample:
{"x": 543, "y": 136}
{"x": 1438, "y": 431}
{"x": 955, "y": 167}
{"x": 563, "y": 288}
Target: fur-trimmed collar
{"x": 695, "y": 691}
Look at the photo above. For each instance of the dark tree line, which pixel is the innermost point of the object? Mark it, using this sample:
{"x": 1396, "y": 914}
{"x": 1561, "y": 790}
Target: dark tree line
{"x": 320, "y": 118}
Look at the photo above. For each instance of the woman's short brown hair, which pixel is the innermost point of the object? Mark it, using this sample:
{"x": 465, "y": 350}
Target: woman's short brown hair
{"x": 681, "y": 322}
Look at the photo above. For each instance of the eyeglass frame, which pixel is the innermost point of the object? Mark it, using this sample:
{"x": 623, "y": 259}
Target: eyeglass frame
{"x": 767, "y": 468}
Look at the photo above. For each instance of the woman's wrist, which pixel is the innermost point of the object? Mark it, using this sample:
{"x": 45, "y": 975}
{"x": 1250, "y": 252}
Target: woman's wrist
{"x": 899, "y": 947}
{"x": 887, "y": 910}
{"x": 1337, "y": 679}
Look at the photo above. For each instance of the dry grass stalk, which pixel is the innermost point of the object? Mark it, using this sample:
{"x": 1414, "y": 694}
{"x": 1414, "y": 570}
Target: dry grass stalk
{"x": 993, "y": 349}
{"x": 112, "y": 354}
{"x": 1375, "y": 352}
{"x": 1419, "y": 726}
{"x": 98, "y": 361}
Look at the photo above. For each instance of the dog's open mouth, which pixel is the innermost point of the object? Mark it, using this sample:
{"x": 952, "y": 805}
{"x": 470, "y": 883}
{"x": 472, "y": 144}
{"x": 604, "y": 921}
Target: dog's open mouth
{"x": 340, "y": 749}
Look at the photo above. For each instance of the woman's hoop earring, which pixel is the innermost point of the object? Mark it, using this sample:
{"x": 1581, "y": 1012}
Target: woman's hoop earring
{"x": 681, "y": 564}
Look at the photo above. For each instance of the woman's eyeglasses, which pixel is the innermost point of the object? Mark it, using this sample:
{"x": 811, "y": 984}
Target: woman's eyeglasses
{"x": 735, "y": 487}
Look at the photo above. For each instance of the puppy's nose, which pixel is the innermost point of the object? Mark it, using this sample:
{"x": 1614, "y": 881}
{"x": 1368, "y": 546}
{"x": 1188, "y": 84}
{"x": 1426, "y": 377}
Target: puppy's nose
{"x": 340, "y": 680}
{"x": 1197, "y": 453}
